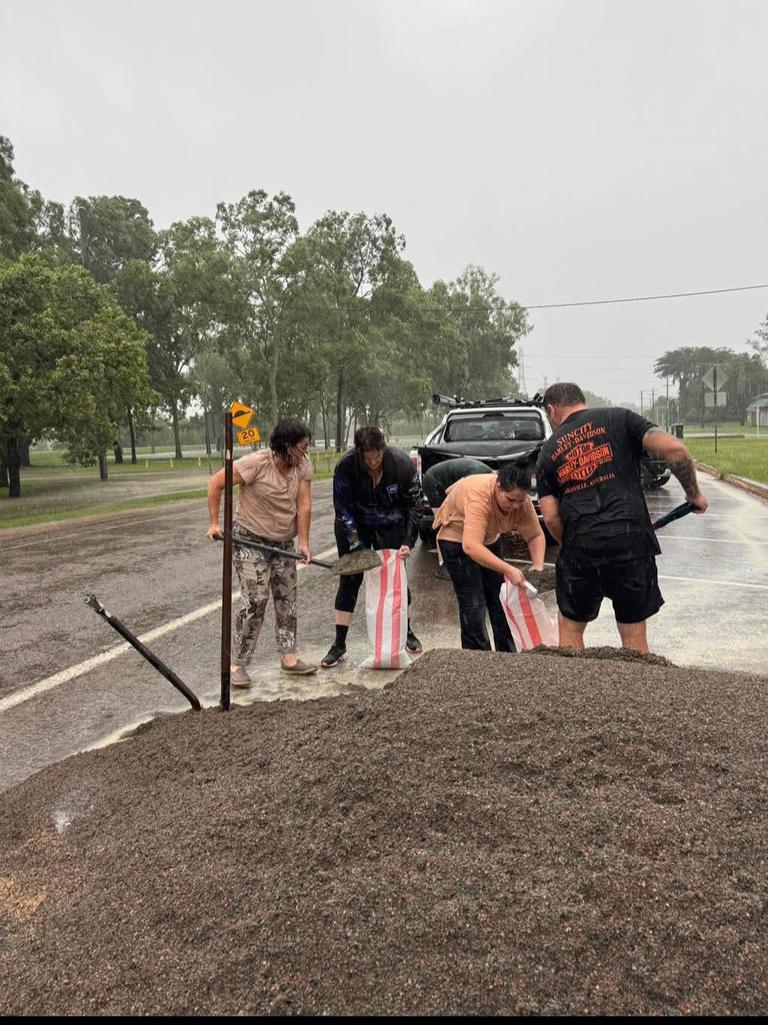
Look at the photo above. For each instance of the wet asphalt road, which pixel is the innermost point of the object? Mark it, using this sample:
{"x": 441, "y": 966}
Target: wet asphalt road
{"x": 155, "y": 569}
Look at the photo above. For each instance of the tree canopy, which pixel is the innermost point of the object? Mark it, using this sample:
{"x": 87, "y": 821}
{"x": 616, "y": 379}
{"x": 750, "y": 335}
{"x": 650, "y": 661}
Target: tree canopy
{"x": 70, "y": 361}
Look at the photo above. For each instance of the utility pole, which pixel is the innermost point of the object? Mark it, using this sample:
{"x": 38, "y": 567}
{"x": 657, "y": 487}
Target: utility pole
{"x": 653, "y": 401}
{"x": 641, "y": 403}
{"x": 667, "y": 405}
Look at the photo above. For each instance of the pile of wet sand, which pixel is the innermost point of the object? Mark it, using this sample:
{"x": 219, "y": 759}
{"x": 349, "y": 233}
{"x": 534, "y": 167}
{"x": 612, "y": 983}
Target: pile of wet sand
{"x": 490, "y": 834}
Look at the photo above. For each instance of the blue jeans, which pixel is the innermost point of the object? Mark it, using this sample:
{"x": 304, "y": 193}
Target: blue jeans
{"x": 477, "y": 590}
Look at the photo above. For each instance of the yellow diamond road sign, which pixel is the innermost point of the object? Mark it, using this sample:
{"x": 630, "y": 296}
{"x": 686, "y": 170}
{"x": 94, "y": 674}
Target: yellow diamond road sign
{"x": 241, "y": 415}
{"x": 248, "y": 437}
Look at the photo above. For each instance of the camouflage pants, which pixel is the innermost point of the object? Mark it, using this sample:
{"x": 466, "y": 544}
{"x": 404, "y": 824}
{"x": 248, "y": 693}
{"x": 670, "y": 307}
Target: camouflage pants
{"x": 260, "y": 572}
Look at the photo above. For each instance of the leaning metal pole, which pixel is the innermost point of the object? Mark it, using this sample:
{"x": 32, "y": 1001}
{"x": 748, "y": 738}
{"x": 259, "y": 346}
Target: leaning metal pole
{"x": 93, "y": 602}
{"x": 226, "y": 581}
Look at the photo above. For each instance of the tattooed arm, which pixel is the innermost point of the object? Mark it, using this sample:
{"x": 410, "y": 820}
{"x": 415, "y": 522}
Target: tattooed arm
{"x": 676, "y": 455}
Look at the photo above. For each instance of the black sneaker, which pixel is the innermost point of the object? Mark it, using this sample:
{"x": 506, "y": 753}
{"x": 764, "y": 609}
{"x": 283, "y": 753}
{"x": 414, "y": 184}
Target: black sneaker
{"x": 413, "y": 644}
{"x": 336, "y": 654}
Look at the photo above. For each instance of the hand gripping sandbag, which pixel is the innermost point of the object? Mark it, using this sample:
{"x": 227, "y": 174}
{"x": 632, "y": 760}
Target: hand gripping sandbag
{"x": 386, "y": 613}
{"x": 527, "y": 616}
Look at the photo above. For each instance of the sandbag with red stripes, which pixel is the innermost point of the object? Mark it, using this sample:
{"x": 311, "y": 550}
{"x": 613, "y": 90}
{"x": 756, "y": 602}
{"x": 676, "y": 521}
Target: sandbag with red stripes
{"x": 528, "y": 618}
{"x": 386, "y": 613}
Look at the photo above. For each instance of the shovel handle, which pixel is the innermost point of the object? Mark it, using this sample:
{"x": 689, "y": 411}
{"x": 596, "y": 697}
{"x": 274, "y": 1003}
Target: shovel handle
{"x": 676, "y": 514}
{"x": 274, "y": 551}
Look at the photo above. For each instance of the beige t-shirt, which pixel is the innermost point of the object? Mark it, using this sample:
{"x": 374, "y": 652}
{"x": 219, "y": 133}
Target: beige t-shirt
{"x": 470, "y": 502}
{"x": 267, "y": 501}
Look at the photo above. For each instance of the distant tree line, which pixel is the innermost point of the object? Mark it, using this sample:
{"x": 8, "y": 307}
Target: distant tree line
{"x": 743, "y": 377}
{"x": 107, "y": 323}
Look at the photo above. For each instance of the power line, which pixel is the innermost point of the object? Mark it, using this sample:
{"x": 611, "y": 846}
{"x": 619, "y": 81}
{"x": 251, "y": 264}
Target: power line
{"x": 645, "y": 298}
{"x": 505, "y": 308}
{"x": 579, "y": 359}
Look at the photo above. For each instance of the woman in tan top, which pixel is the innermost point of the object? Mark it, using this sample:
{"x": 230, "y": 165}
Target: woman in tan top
{"x": 476, "y": 511}
{"x": 274, "y": 505}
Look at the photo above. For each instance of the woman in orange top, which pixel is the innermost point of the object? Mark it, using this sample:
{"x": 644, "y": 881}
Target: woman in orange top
{"x": 476, "y": 511}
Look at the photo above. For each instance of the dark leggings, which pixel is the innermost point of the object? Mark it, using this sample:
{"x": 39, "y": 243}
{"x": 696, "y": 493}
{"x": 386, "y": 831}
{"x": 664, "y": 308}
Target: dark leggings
{"x": 346, "y": 595}
{"x": 477, "y": 590}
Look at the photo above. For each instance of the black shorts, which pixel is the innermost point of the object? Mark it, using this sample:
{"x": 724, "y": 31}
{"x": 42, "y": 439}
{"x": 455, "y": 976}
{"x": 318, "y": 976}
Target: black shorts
{"x": 631, "y": 583}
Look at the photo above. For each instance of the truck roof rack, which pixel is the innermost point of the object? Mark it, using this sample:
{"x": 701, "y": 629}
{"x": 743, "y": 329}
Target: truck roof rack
{"x": 456, "y": 402}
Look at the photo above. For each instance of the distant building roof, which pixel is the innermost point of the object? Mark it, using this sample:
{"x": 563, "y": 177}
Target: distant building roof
{"x": 761, "y": 402}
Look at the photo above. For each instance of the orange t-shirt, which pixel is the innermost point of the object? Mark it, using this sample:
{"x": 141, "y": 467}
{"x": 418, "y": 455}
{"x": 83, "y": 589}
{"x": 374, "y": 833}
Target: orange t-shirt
{"x": 470, "y": 502}
{"x": 267, "y": 501}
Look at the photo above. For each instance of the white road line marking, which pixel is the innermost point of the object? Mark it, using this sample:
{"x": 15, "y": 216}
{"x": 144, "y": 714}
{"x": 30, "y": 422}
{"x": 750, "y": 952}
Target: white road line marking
{"x": 27, "y": 693}
{"x": 715, "y": 582}
{"x": 710, "y": 540}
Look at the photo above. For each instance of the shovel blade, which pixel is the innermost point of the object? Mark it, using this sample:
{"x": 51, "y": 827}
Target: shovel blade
{"x": 357, "y": 562}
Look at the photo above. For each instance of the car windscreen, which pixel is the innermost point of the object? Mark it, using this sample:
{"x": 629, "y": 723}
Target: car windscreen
{"x": 494, "y": 427}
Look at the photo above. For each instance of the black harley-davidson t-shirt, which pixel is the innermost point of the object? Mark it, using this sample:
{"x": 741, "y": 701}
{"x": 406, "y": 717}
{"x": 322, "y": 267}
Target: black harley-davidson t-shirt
{"x": 591, "y": 465}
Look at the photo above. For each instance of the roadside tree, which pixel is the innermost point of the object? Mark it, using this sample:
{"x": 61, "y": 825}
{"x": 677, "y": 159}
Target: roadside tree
{"x": 760, "y": 342}
{"x": 338, "y": 265}
{"x": 105, "y": 234}
{"x": 184, "y": 303}
{"x": 258, "y": 233}
{"x": 491, "y": 328}
{"x": 18, "y": 204}
{"x": 69, "y": 361}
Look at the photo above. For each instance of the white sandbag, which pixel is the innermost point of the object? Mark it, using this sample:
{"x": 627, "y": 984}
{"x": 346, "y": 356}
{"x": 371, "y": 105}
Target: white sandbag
{"x": 527, "y": 616}
{"x": 386, "y": 613}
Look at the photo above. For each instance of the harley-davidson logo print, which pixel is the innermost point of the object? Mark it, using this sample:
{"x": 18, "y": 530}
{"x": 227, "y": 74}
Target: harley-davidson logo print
{"x": 580, "y": 457}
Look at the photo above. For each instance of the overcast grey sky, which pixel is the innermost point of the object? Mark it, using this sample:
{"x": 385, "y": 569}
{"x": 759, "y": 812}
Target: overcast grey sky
{"x": 581, "y": 150}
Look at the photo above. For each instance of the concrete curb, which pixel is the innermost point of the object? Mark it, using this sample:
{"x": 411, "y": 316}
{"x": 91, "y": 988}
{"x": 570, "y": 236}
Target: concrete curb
{"x": 754, "y": 487}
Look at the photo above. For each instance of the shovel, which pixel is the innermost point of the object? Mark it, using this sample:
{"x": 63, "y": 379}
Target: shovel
{"x": 348, "y": 565}
{"x": 676, "y": 514}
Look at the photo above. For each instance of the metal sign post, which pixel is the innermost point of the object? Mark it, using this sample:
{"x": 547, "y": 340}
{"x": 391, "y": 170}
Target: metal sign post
{"x": 714, "y": 386}
{"x": 714, "y": 379}
{"x": 226, "y": 582}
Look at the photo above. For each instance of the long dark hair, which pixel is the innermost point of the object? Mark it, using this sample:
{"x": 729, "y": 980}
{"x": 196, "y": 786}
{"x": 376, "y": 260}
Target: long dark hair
{"x": 369, "y": 439}
{"x": 289, "y": 432}
{"x": 515, "y": 475}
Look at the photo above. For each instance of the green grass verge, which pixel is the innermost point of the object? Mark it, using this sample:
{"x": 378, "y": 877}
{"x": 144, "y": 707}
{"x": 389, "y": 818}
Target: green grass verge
{"x": 70, "y": 512}
{"x": 742, "y": 457}
{"x": 53, "y": 515}
{"x": 53, "y": 463}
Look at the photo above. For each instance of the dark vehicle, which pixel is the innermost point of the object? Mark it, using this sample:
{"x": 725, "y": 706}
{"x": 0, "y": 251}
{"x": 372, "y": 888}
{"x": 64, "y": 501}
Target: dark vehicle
{"x": 654, "y": 472}
{"x": 494, "y": 432}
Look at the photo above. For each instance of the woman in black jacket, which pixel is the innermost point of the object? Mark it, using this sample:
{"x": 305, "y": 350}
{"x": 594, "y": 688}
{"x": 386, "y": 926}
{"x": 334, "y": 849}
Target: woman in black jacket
{"x": 377, "y": 500}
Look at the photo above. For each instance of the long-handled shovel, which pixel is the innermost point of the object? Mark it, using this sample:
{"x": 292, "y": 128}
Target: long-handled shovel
{"x": 678, "y": 512}
{"x": 348, "y": 565}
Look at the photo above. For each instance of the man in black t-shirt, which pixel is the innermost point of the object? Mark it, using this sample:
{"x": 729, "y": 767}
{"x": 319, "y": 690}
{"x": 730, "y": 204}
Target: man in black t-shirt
{"x": 592, "y": 502}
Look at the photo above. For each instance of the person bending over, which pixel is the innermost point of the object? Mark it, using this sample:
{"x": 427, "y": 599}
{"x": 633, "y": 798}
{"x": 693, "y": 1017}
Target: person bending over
{"x": 477, "y": 510}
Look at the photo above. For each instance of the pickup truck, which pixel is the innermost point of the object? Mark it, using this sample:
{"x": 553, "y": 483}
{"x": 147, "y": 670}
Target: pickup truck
{"x": 495, "y": 432}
